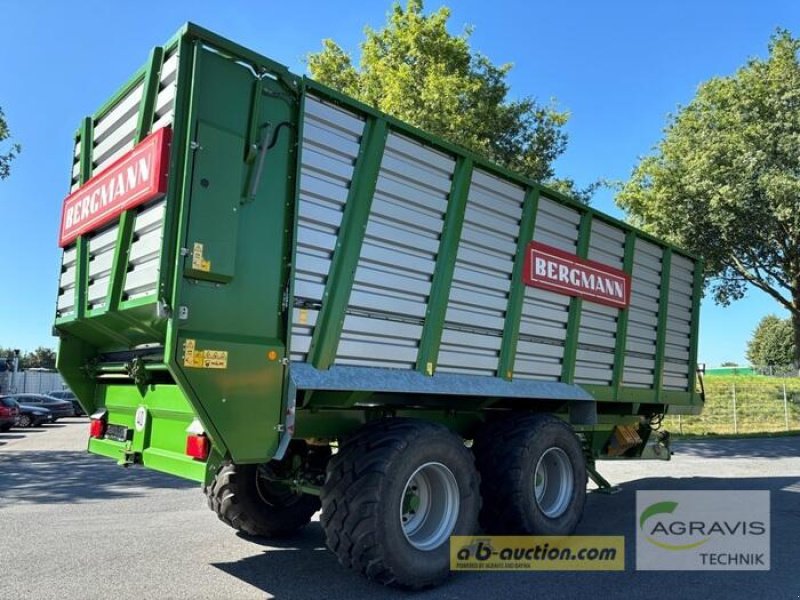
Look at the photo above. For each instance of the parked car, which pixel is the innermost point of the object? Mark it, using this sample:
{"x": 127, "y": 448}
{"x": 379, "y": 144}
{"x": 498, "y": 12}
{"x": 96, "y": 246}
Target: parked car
{"x": 68, "y": 395}
{"x": 9, "y": 411}
{"x": 31, "y": 415}
{"x": 59, "y": 408}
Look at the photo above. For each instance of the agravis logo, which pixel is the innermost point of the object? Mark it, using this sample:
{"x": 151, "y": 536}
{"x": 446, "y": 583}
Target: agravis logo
{"x": 660, "y": 528}
{"x": 702, "y": 530}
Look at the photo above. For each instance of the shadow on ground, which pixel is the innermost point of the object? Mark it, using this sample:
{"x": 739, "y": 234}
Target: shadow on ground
{"x": 50, "y": 476}
{"x": 301, "y": 568}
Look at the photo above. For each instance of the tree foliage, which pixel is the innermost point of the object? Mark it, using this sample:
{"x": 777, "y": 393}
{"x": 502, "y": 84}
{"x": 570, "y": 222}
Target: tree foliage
{"x": 41, "y": 358}
{"x": 724, "y": 181}
{"x": 11, "y": 153}
{"x": 772, "y": 343}
{"x": 415, "y": 70}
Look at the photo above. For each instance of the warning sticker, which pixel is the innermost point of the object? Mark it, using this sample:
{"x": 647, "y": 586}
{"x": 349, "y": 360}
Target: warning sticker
{"x": 198, "y": 262}
{"x": 215, "y": 359}
{"x": 203, "y": 359}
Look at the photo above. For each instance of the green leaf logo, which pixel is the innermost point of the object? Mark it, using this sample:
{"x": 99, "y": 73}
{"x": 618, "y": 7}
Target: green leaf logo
{"x": 667, "y": 507}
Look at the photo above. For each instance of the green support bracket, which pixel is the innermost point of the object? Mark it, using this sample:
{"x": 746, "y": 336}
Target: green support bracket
{"x": 661, "y": 335}
{"x": 603, "y": 485}
{"x": 179, "y": 156}
{"x": 81, "y": 275}
{"x": 86, "y": 137}
{"x": 575, "y": 305}
{"x": 330, "y": 321}
{"x": 431, "y": 339}
{"x": 147, "y": 105}
{"x": 697, "y": 294}
{"x": 82, "y": 244}
{"x": 516, "y": 295}
{"x": 621, "y": 337}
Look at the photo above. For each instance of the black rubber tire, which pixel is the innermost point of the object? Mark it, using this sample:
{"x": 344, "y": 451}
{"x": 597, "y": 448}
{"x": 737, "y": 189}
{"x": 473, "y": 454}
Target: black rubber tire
{"x": 363, "y": 491}
{"x": 25, "y": 421}
{"x": 506, "y": 453}
{"x": 5, "y": 427}
{"x": 240, "y": 500}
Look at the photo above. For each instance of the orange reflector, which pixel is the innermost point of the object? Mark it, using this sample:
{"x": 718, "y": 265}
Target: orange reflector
{"x": 272, "y": 355}
{"x": 197, "y": 446}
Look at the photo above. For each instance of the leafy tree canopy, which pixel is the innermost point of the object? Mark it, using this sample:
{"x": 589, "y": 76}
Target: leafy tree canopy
{"x": 772, "y": 343}
{"x": 11, "y": 153}
{"x": 724, "y": 182}
{"x": 415, "y": 70}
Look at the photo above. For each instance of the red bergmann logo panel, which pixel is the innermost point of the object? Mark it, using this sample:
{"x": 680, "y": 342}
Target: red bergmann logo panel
{"x": 558, "y": 271}
{"x": 133, "y": 179}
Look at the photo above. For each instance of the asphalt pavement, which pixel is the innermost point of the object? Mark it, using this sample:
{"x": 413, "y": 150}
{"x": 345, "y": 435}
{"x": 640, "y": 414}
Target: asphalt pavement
{"x": 73, "y": 525}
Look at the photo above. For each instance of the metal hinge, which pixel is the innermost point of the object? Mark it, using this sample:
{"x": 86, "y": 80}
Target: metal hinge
{"x": 195, "y": 146}
{"x": 183, "y": 312}
{"x": 163, "y": 310}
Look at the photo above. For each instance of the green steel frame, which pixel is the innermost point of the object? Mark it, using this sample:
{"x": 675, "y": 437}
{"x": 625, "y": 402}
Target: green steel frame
{"x": 575, "y": 306}
{"x": 663, "y": 312}
{"x": 516, "y": 294}
{"x": 348, "y": 245}
{"x": 445, "y": 266}
{"x": 622, "y": 321}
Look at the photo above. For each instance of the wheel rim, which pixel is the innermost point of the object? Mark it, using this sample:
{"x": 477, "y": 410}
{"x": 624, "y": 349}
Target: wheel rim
{"x": 429, "y": 506}
{"x": 553, "y": 482}
{"x": 24, "y": 421}
{"x": 275, "y": 494}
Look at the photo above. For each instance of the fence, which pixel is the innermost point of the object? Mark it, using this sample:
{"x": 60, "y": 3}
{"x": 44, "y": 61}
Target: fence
{"x": 31, "y": 382}
{"x": 768, "y": 370}
{"x": 737, "y": 405}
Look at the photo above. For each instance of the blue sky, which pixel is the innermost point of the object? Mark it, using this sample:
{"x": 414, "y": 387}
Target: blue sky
{"x": 618, "y": 67}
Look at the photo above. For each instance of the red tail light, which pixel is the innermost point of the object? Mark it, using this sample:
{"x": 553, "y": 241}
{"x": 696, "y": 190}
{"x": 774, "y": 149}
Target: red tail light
{"x": 97, "y": 428}
{"x": 197, "y": 446}
{"x": 6, "y": 412}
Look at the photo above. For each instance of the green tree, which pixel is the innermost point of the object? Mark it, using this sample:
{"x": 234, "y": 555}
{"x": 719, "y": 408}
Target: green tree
{"x": 772, "y": 343}
{"x": 724, "y": 182}
{"x": 41, "y": 358}
{"x": 415, "y": 70}
{"x": 729, "y": 363}
{"x": 12, "y": 152}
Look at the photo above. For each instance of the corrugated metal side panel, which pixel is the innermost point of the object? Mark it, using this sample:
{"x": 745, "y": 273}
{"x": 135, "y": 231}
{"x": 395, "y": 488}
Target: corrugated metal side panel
{"x": 141, "y": 278}
{"x": 65, "y": 304}
{"x": 101, "y": 257}
{"x": 640, "y": 348}
{"x": 484, "y": 263}
{"x": 113, "y": 135}
{"x": 393, "y": 278}
{"x": 543, "y": 323}
{"x": 679, "y": 323}
{"x": 597, "y": 335}
{"x": 331, "y": 138}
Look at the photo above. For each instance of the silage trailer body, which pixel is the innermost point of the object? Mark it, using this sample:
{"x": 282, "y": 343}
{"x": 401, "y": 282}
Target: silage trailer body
{"x": 256, "y": 267}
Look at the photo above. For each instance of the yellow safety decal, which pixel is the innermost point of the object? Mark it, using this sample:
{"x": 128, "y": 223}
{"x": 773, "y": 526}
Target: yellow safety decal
{"x": 188, "y": 353}
{"x": 203, "y": 359}
{"x": 198, "y": 262}
{"x": 303, "y": 316}
{"x": 215, "y": 359}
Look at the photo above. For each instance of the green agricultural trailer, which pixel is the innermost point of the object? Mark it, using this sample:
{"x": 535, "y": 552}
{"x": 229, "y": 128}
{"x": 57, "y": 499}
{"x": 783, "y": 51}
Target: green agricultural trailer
{"x": 301, "y": 303}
